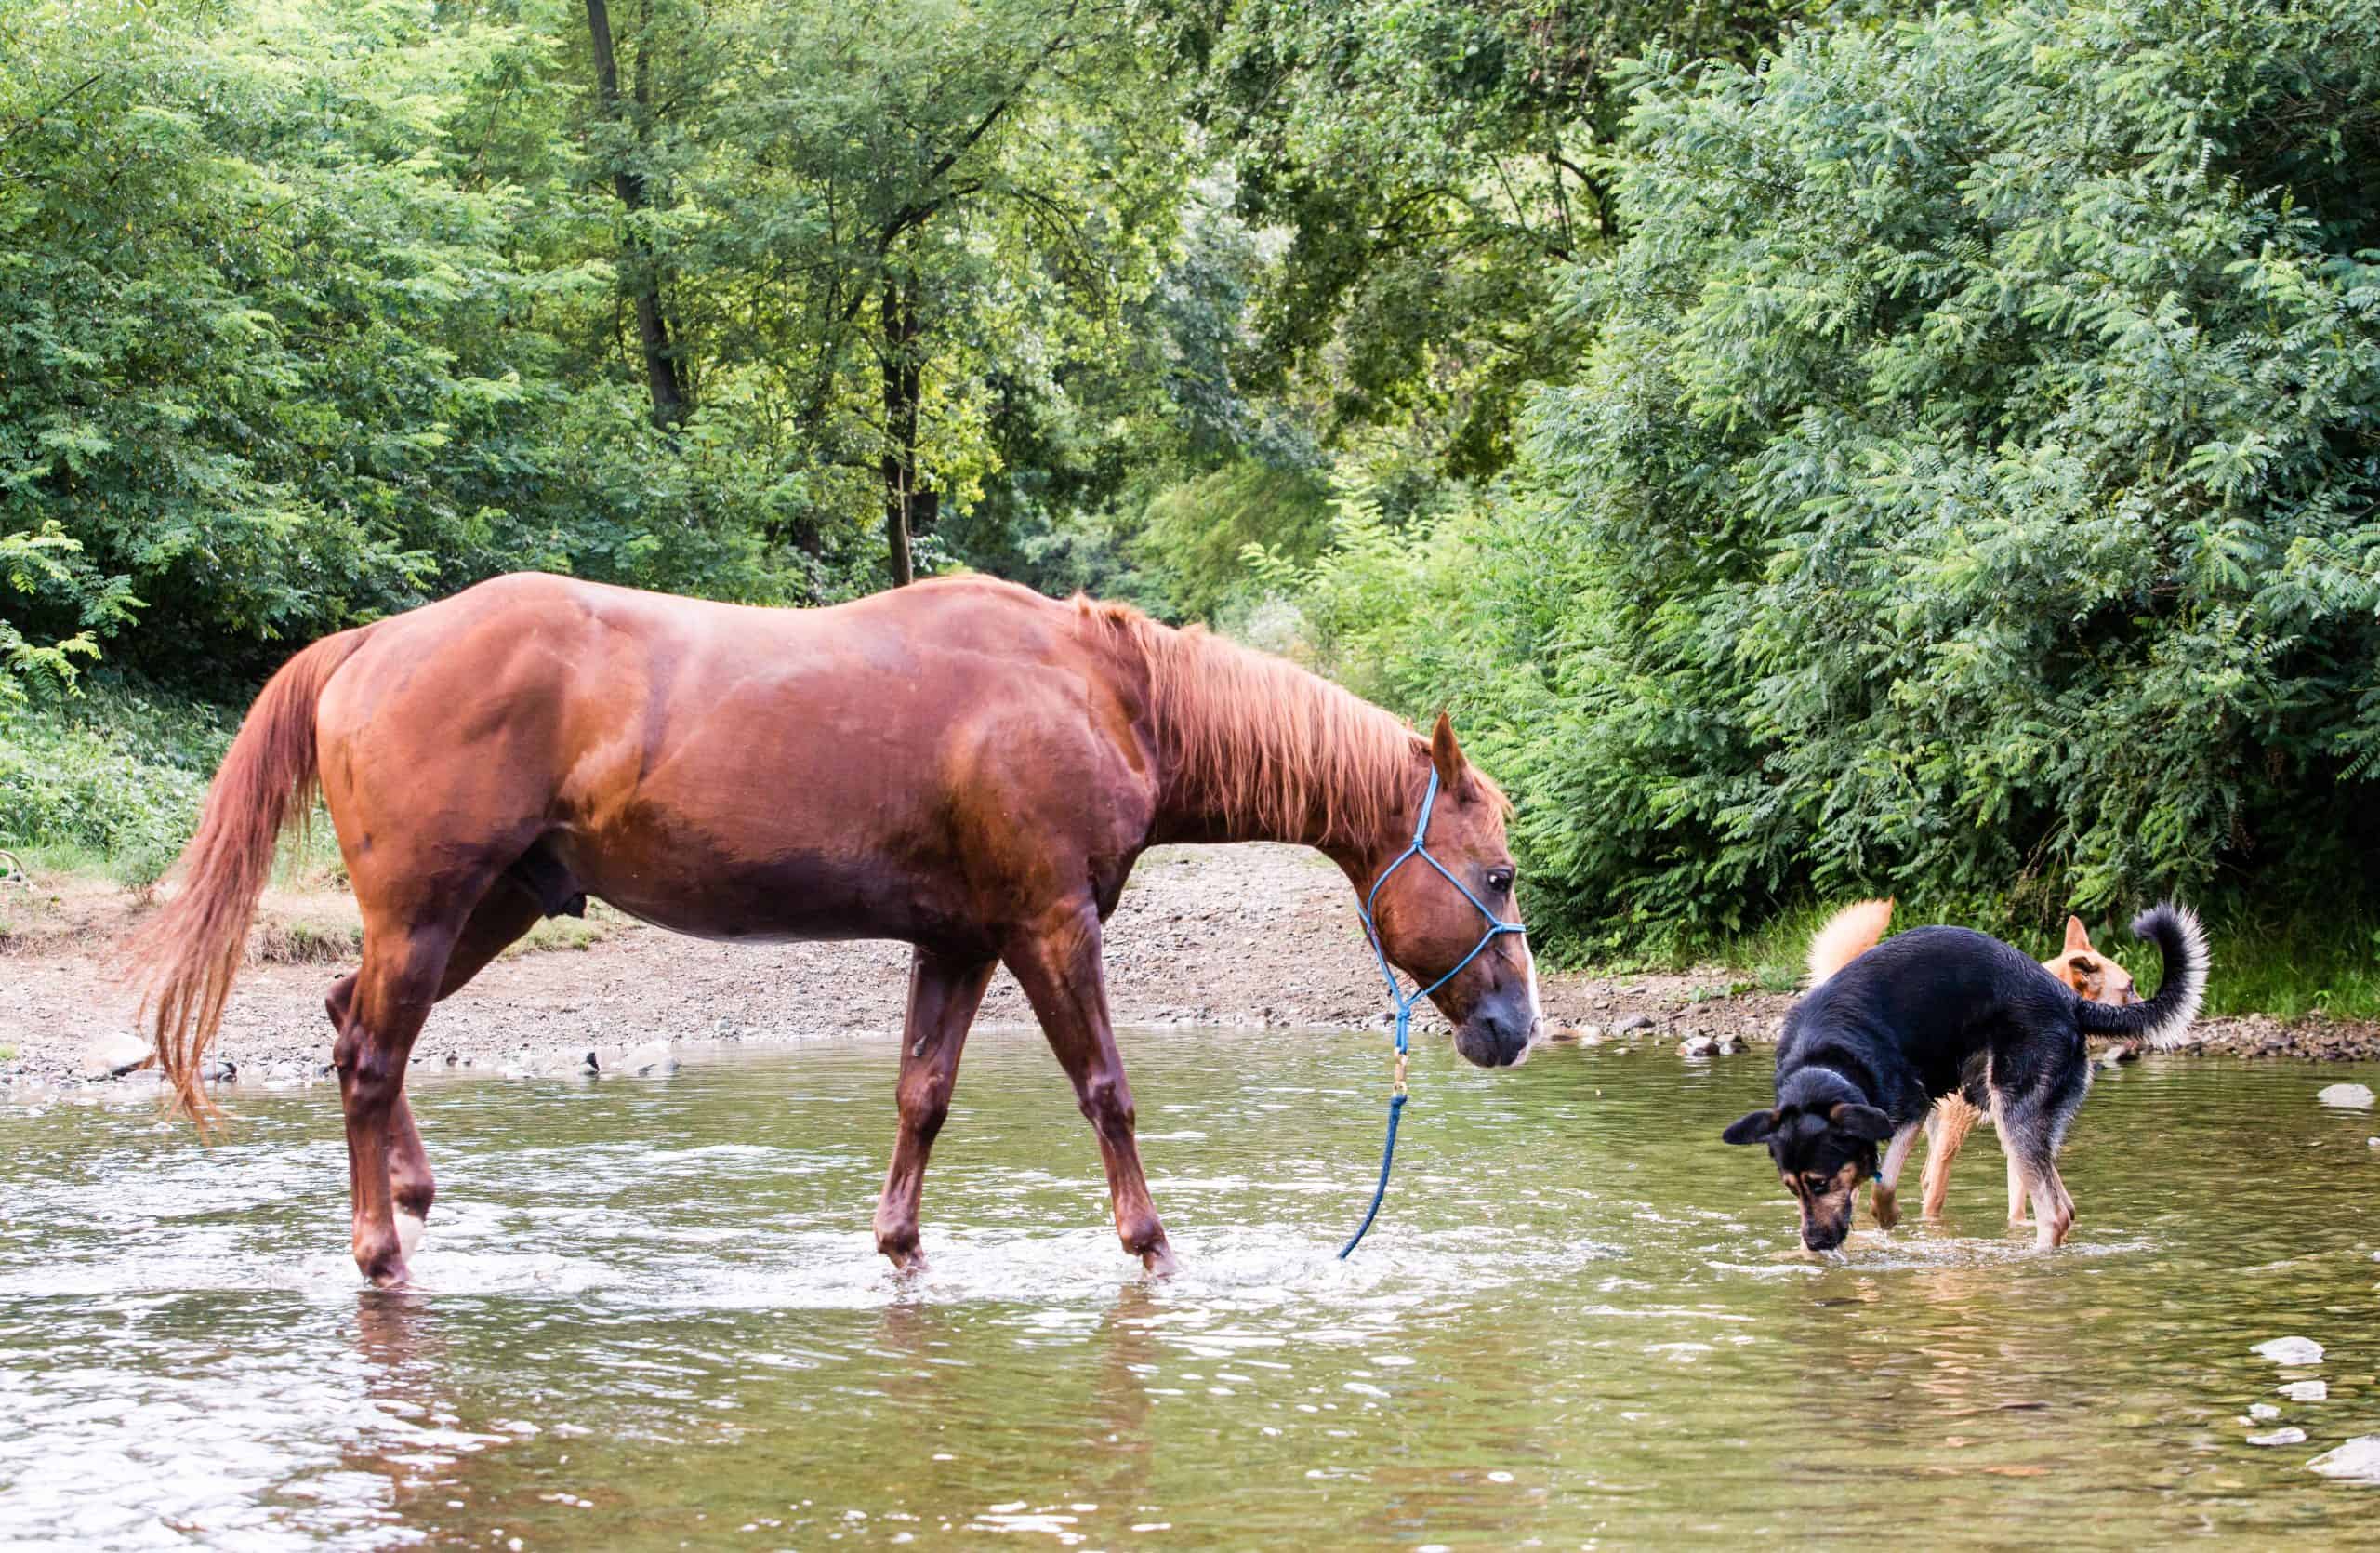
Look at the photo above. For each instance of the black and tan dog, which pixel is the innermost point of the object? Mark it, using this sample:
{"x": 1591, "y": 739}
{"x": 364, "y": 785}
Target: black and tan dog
{"x": 1866, "y": 1052}
{"x": 1855, "y": 930}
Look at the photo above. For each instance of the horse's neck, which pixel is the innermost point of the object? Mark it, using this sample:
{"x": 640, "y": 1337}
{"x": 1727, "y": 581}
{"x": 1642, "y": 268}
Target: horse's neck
{"x": 1298, "y": 779}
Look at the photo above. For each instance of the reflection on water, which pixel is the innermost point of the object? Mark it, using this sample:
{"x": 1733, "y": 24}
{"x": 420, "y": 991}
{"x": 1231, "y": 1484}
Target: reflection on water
{"x": 651, "y": 1315}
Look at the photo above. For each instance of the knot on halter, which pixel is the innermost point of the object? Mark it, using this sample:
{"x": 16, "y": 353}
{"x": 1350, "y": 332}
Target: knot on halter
{"x": 1402, "y": 1001}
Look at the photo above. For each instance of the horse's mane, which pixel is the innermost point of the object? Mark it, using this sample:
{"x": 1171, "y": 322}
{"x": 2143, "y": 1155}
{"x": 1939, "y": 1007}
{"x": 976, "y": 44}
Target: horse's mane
{"x": 1259, "y": 740}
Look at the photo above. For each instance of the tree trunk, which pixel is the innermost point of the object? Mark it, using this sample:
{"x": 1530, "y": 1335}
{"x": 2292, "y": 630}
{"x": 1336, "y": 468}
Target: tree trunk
{"x": 907, "y": 506}
{"x": 661, "y": 367}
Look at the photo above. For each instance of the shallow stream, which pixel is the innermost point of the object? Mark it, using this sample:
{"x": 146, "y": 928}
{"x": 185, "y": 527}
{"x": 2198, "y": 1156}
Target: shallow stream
{"x": 650, "y": 1315}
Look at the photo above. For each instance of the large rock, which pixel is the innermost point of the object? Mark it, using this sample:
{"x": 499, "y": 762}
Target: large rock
{"x": 2291, "y": 1350}
{"x": 2350, "y": 1097}
{"x": 2358, "y": 1460}
{"x": 2289, "y": 1435}
{"x": 113, "y": 1056}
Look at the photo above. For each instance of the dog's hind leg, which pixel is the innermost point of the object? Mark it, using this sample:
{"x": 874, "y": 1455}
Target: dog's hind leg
{"x": 2033, "y": 1126}
{"x": 1882, "y": 1199}
{"x": 1945, "y": 1133}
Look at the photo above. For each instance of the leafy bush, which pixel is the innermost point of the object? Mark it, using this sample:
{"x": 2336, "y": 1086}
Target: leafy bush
{"x": 1969, "y": 493}
{"x": 116, "y": 774}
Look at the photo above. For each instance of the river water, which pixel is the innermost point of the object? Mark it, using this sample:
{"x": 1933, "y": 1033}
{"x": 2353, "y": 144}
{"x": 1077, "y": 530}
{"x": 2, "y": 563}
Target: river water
{"x": 650, "y": 1315}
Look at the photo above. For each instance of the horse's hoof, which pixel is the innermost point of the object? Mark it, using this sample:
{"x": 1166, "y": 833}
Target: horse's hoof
{"x": 1158, "y": 1260}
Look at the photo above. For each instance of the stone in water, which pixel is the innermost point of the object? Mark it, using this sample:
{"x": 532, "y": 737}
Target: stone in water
{"x": 2291, "y": 1350}
{"x": 2358, "y": 1460}
{"x": 2307, "y": 1390}
{"x": 2279, "y": 1437}
{"x": 2352, "y": 1097}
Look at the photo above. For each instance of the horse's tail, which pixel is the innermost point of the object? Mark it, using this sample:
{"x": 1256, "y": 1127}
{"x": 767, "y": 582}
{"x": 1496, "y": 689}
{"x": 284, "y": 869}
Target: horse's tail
{"x": 187, "y": 954}
{"x": 1847, "y": 935}
{"x": 2165, "y": 1018}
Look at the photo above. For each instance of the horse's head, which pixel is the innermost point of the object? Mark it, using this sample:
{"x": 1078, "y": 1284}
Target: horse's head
{"x": 1427, "y": 927}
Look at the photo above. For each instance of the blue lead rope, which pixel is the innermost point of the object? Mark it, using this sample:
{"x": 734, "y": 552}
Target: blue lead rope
{"x": 1402, "y": 1001}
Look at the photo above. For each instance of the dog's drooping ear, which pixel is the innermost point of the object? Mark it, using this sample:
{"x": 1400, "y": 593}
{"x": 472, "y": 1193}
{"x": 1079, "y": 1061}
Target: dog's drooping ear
{"x": 1861, "y": 1121}
{"x": 2084, "y": 963}
{"x": 1752, "y": 1127}
{"x": 2078, "y": 940}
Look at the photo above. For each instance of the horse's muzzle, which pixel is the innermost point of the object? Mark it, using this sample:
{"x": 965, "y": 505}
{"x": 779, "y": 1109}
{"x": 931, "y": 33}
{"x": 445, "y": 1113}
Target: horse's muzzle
{"x": 1500, "y": 1030}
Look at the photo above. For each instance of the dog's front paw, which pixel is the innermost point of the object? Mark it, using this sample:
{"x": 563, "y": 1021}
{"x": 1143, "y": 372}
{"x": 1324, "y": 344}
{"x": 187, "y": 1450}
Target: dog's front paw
{"x": 1886, "y": 1206}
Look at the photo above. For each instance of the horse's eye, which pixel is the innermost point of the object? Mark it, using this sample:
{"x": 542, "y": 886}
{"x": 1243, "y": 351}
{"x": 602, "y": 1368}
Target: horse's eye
{"x": 1500, "y": 880}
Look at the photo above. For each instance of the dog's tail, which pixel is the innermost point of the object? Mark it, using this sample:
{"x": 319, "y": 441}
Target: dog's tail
{"x": 2165, "y": 1018}
{"x": 1847, "y": 935}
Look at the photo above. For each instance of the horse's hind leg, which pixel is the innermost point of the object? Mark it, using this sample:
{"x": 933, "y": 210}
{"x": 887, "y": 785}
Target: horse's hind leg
{"x": 944, "y": 994}
{"x": 1057, "y": 963}
{"x": 377, "y": 1012}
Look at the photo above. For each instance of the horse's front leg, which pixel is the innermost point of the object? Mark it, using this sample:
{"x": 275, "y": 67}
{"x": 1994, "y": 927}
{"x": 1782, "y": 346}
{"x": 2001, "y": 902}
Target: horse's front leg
{"x": 1057, "y": 963}
{"x": 944, "y": 995}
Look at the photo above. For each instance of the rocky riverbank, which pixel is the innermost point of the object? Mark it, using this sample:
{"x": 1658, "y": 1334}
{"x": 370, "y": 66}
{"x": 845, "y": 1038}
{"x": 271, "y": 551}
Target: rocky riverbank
{"x": 1251, "y": 936}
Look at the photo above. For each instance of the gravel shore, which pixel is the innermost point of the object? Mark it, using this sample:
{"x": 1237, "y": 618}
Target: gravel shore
{"x": 1255, "y": 936}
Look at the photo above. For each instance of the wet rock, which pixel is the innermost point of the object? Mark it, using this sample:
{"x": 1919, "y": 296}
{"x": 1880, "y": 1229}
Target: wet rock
{"x": 2353, "y": 1097}
{"x": 2306, "y": 1391}
{"x": 1631, "y": 1023}
{"x": 2291, "y": 1351}
{"x": 220, "y": 1071}
{"x": 2358, "y": 1460}
{"x": 113, "y": 1056}
{"x": 1730, "y": 1045}
{"x": 653, "y": 1060}
{"x": 1698, "y": 1046}
{"x": 2291, "y": 1436}
{"x": 2261, "y": 1413}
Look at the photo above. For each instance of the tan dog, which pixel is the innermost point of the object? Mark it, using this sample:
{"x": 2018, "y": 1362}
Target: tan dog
{"x": 1857, "y": 928}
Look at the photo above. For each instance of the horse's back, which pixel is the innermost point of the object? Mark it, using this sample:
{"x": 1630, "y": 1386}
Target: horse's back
{"x": 727, "y": 769}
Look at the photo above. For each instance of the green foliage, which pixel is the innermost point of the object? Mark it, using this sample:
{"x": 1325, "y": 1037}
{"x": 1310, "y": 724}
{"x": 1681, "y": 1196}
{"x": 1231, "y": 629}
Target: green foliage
{"x": 1968, "y": 492}
{"x": 1197, "y": 530}
{"x": 116, "y": 773}
{"x": 44, "y": 568}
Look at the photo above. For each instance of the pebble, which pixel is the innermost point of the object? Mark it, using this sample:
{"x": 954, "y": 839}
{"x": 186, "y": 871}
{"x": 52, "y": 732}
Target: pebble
{"x": 2291, "y": 1436}
{"x": 2306, "y": 1391}
{"x": 2261, "y": 1413}
{"x": 2350, "y": 1098}
{"x": 1698, "y": 1046}
{"x": 2358, "y": 1460}
{"x": 2291, "y": 1350}
{"x": 1629, "y": 1024}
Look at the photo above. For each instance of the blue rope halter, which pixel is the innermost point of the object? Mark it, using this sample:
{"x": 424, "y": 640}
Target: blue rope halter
{"x": 1402, "y": 1001}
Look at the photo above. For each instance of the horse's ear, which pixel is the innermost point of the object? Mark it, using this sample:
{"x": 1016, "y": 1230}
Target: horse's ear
{"x": 2078, "y": 939}
{"x": 1454, "y": 772}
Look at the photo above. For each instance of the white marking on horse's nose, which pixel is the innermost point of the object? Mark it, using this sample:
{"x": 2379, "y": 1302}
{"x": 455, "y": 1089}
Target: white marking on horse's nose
{"x": 409, "y": 1228}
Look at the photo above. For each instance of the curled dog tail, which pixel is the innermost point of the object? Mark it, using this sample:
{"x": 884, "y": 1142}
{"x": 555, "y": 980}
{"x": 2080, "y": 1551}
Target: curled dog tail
{"x": 1847, "y": 935}
{"x": 186, "y": 955}
{"x": 2165, "y": 1018}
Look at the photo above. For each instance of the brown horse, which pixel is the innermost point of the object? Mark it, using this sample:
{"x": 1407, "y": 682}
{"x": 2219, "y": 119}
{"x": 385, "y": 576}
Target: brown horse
{"x": 963, "y": 766}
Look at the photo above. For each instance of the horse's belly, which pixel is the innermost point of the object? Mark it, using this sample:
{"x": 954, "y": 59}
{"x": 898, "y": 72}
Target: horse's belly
{"x": 785, "y": 895}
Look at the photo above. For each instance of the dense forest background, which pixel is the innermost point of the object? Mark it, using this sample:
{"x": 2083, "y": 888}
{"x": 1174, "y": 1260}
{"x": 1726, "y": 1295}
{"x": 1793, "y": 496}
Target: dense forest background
{"x": 1814, "y": 448}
